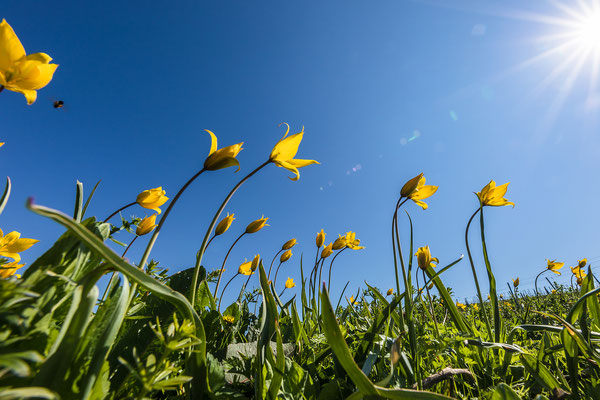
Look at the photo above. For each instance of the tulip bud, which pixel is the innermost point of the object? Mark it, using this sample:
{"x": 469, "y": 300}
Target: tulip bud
{"x": 390, "y": 292}
{"x": 257, "y": 225}
{"x": 255, "y": 262}
{"x": 147, "y": 225}
{"x": 339, "y": 243}
{"x": 516, "y": 282}
{"x": 152, "y": 199}
{"x": 285, "y": 256}
{"x": 327, "y": 251}
{"x": 289, "y": 244}
{"x": 224, "y": 224}
{"x": 582, "y": 263}
{"x": 410, "y": 186}
{"x": 320, "y": 238}
{"x": 424, "y": 258}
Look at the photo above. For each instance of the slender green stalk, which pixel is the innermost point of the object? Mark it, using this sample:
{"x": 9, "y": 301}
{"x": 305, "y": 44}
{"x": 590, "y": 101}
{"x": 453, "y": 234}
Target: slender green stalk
{"x": 536, "y": 279}
{"x": 330, "y": 267}
{"x": 272, "y": 261}
{"x": 194, "y": 287}
{"x": 225, "y": 261}
{"x": 437, "y": 331}
{"x": 482, "y": 308}
{"x": 276, "y": 272}
{"x": 311, "y": 281}
{"x": 282, "y": 292}
{"x": 492, "y": 280}
{"x": 223, "y": 292}
{"x": 119, "y": 210}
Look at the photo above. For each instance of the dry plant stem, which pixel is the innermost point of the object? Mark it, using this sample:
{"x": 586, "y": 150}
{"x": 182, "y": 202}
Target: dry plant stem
{"x": 444, "y": 374}
{"x": 276, "y": 272}
{"x": 224, "y": 262}
{"x": 119, "y": 210}
{"x": 482, "y": 308}
{"x": 114, "y": 274}
{"x": 330, "y": 267}
{"x": 194, "y": 287}
{"x": 272, "y": 261}
{"x": 223, "y": 292}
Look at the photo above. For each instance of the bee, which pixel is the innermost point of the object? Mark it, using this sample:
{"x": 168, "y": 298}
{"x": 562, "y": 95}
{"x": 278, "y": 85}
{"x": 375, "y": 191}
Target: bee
{"x": 59, "y": 104}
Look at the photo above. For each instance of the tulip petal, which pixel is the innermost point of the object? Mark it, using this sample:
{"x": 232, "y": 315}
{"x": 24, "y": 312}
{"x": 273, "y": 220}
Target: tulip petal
{"x": 41, "y": 57}
{"x": 289, "y": 167}
{"x": 213, "y": 142}
{"x": 30, "y": 95}
{"x": 424, "y": 192}
{"x": 20, "y": 245}
{"x": 11, "y": 49}
{"x": 287, "y": 148}
{"x": 302, "y": 163}
{"x": 423, "y": 205}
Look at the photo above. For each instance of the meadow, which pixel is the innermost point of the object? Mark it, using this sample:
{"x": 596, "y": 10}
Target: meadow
{"x": 152, "y": 334}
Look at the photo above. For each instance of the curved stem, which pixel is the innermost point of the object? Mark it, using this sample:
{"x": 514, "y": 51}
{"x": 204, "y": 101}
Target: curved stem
{"x": 320, "y": 271}
{"x": 283, "y": 291}
{"x": 276, "y": 272}
{"x": 119, "y": 210}
{"x": 223, "y": 292}
{"x": 193, "y": 288}
{"x": 312, "y": 280}
{"x": 536, "y": 279}
{"x": 272, "y": 261}
{"x": 330, "y": 267}
{"x": 225, "y": 261}
{"x": 482, "y": 308}
{"x": 247, "y": 280}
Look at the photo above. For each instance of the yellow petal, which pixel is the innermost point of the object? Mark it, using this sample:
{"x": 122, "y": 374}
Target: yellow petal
{"x": 410, "y": 186}
{"x": 41, "y": 57}
{"x": 287, "y": 147}
{"x": 302, "y": 163}
{"x": 32, "y": 75}
{"x": 213, "y": 142}
{"x": 289, "y": 167}
{"x": 30, "y": 95}
{"x": 423, "y": 205}
{"x": 11, "y": 49}
{"x": 423, "y": 192}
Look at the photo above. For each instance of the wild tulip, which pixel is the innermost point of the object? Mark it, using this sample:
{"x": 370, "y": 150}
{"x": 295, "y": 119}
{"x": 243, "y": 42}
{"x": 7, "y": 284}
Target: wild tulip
{"x": 327, "y": 251}
{"x": 351, "y": 241}
{"x": 289, "y": 283}
{"x": 492, "y": 195}
{"x": 245, "y": 269}
{"x": 285, "y": 256}
{"x": 147, "y": 225}
{"x": 289, "y": 244}
{"x": 255, "y": 262}
{"x": 9, "y": 269}
{"x": 19, "y": 72}
{"x": 284, "y": 152}
{"x": 152, "y": 199}
{"x": 339, "y": 243}
{"x": 516, "y": 282}
{"x": 554, "y": 266}
{"x": 416, "y": 190}
{"x": 12, "y": 244}
{"x": 257, "y": 225}
{"x": 221, "y": 158}
{"x": 224, "y": 225}
{"x": 320, "y": 239}
{"x": 424, "y": 259}
{"x": 390, "y": 292}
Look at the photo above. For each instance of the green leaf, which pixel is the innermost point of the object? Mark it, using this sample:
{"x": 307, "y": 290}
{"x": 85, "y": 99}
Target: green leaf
{"x": 87, "y": 202}
{"x": 504, "y": 392}
{"x": 539, "y": 372}
{"x": 26, "y": 393}
{"x": 78, "y": 213}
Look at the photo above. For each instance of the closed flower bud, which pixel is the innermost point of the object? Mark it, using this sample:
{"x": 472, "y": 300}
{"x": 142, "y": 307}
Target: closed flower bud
{"x": 289, "y": 283}
{"x": 327, "y": 251}
{"x": 516, "y": 282}
{"x": 582, "y": 263}
{"x": 320, "y": 239}
{"x": 410, "y": 186}
{"x": 255, "y": 262}
{"x": 257, "y": 225}
{"x": 424, "y": 258}
{"x": 390, "y": 292}
{"x": 339, "y": 243}
{"x": 224, "y": 225}
{"x": 289, "y": 244}
{"x": 152, "y": 199}
{"x": 285, "y": 256}
{"x": 147, "y": 225}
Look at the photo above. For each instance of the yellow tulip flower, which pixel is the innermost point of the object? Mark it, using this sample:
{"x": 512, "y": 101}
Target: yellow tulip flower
{"x": 230, "y": 319}
{"x": 289, "y": 244}
{"x": 289, "y": 283}
{"x": 221, "y": 158}
{"x": 12, "y": 244}
{"x": 352, "y": 301}
{"x": 257, "y": 225}
{"x": 492, "y": 195}
{"x": 255, "y": 262}
{"x": 390, "y": 292}
{"x": 285, "y": 256}
{"x": 246, "y": 268}
{"x": 224, "y": 225}
{"x": 327, "y": 251}
{"x": 416, "y": 190}
{"x": 147, "y": 225}
{"x": 1, "y": 144}
{"x": 320, "y": 239}
{"x": 516, "y": 282}
{"x": 351, "y": 241}
{"x": 424, "y": 258}
{"x": 9, "y": 269}
{"x": 285, "y": 150}
{"x": 475, "y": 307}
{"x": 461, "y": 306}
{"x": 19, "y": 72}
{"x": 582, "y": 263}
{"x": 555, "y": 266}
{"x": 339, "y": 243}
{"x": 152, "y": 199}
{"x": 578, "y": 272}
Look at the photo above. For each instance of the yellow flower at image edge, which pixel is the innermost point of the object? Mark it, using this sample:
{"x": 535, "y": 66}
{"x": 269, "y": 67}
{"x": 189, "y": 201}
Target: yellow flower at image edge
{"x": 12, "y": 244}
{"x": 221, "y": 158}
{"x": 8, "y": 270}
{"x": 147, "y": 225}
{"x": 492, "y": 195}
{"x": 19, "y": 72}
{"x": 285, "y": 150}
{"x": 289, "y": 283}
{"x": 416, "y": 190}
{"x": 152, "y": 199}
{"x": 554, "y": 266}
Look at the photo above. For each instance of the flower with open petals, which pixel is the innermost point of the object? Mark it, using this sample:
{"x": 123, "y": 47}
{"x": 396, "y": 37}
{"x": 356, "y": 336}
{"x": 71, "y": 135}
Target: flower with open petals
{"x": 221, "y": 158}
{"x": 461, "y": 306}
{"x": 19, "y": 72}
{"x": 12, "y": 244}
{"x": 516, "y": 282}
{"x": 352, "y": 300}
{"x": 152, "y": 199}
{"x": 147, "y": 225}
{"x": 554, "y": 266}
{"x": 320, "y": 239}
{"x": 327, "y": 251}
{"x": 424, "y": 258}
{"x": 416, "y": 190}
{"x": 492, "y": 195}
{"x": 230, "y": 319}
{"x": 289, "y": 244}
{"x": 257, "y": 225}
{"x": 289, "y": 283}
{"x": 352, "y": 242}
{"x": 9, "y": 269}
{"x": 246, "y": 268}
{"x": 285, "y": 150}
{"x": 224, "y": 225}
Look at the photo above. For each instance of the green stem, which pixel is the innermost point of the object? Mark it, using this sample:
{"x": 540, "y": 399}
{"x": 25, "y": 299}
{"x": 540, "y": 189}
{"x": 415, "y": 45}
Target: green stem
{"x": 224, "y": 262}
{"x": 276, "y": 272}
{"x": 119, "y": 210}
{"x": 330, "y": 267}
{"x": 536, "y": 279}
{"x": 312, "y": 280}
{"x": 193, "y": 288}
{"x": 272, "y": 261}
{"x": 437, "y": 331}
{"x": 482, "y": 308}
{"x": 223, "y": 292}
{"x": 492, "y": 280}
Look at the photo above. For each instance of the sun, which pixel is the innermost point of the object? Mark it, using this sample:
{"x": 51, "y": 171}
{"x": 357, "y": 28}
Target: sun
{"x": 588, "y": 32}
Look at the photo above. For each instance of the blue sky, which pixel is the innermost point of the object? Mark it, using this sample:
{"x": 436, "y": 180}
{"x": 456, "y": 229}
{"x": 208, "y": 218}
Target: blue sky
{"x": 385, "y": 90}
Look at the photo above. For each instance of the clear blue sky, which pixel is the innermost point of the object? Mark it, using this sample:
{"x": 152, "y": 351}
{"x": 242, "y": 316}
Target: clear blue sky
{"x": 385, "y": 90}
